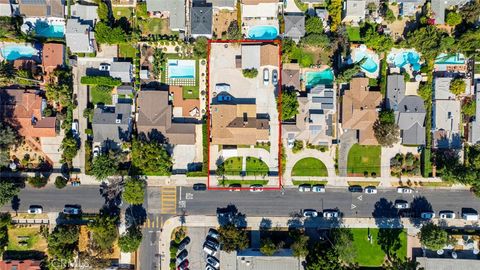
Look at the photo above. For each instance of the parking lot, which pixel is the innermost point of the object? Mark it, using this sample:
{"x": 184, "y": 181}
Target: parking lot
{"x": 196, "y": 255}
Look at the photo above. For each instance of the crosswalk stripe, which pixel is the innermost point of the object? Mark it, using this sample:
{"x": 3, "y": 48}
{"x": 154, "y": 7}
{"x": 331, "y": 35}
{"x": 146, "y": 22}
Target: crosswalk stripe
{"x": 168, "y": 200}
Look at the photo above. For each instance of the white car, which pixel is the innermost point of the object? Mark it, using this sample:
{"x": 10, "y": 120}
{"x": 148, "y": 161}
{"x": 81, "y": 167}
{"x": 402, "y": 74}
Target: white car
{"x": 405, "y": 190}
{"x": 370, "y": 190}
{"x": 427, "y": 215}
{"x": 305, "y": 188}
{"x": 96, "y": 151}
{"x": 104, "y": 67}
{"x": 290, "y": 143}
{"x": 209, "y": 250}
{"x": 446, "y": 214}
{"x": 402, "y": 205}
{"x": 318, "y": 188}
{"x": 310, "y": 213}
{"x": 75, "y": 127}
{"x": 330, "y": 214}
{"x": 213, "y": 261}
{"x": 266, "y": 76}
{"x": 256, "y": 188}
{"x": 35, "y": 209}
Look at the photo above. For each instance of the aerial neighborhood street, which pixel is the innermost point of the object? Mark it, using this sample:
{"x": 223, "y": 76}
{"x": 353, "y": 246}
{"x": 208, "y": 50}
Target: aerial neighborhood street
{"x": 239, "y": 134}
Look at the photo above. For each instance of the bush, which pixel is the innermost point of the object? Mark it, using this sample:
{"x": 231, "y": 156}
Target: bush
{"x": 60, "y": 182}
{"x": 37, "y": 181}
{"x": 100, "y": 80}
{"x": 250, "y": 73}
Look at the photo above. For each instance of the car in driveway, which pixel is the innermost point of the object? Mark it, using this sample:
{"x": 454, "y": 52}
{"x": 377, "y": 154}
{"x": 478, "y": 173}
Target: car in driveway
{"x": 399, "y": 204}
{"x": 183, "y": 265}
{"x": 235, "y": 187}
{"x": 96, "y": 151}
{"x": 370, "y": 190}
{"x": 182, "y": 256}
{"x": 310, "y": 213}
{"x": 213, "y": 261}
{"x": 355, "y": 189}
{"x": 305, "y": 188}
{"x": 104, "y": 67}
{"x": 199, "y": 187}
{"x": 183, "y": 244}
{"x": 266, "y": 76}
{"x": 427, "y": 215}
{"x": 446, "y": 214}
{"x": 35, "y": 209}
{"x": 256, "y": 188}
{"x": 318, "y": 188}
{"x": 329, "y": 214}
{"x": 404, "y": 190}
{"x": 274, "y": 77}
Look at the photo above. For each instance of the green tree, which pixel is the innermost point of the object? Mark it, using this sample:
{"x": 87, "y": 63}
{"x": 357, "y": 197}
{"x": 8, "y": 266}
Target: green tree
{"x": 347, "y": 74}
{"x": 342, "y": 244}
{"x": 60, "y": 182}
{"x": 69, "y": 147}
{"x": 103, "y": 11}
{"x": 385, "y": 129}
{"x": 232, "y": 238}
{"x": 317, "y": 40}
{"x": 130, "y": 241}
{"x": 323, "y": 258}
{"x": 200, "y": 47}
{"x": 104, "y": 232}
{"x": 105, "y": 34}
{"x": 7, "y": 73}
{"x": 457, "y": 86}
{"x": 7, "y": 192}
{"x": 469, "y": 42}
{"x": 104, "y": 166}
{"x": 24, "y": 77}
{"x": 335, "y": 8}
{"x": 454, "y": 18}
{"x": 151, "y": 157}
{"x": 8, "y": 136}
{"x": 63, "y": 242}
{"x": 37, "y": 181}
{"x": 159, "y": 59}
{"x": 313, "y": 25}
{"x": 250, "y": 73}
{"x": 233, "y": 32}
{"x": 389, "y": 16}
{"x": 429, "y": 41}
{"x": 59, "y": 93}
{"x": 268, "y": 247}
{"x": 134, "y": 191}
{"x": 300, "y": 244}
{"x": 401, "y": 264}
{"x": 376, "y": 41}
{"x": 469, "y": 107}
{"x": 101, "y": 81}
{"x": 289, "y": 103}
{"x": 5, "y": 221}
{"x": 471, "y": 11}
{"x": 433, "y": 237}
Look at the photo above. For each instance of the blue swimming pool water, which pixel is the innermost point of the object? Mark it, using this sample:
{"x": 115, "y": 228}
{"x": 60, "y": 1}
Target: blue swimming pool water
{"x": 319, "y": 77}
{"x": 404, "y": 58}
{"x": 181, "y": 69}
{"x": 369, "y": 65}
{"x": 14, "y": 52}
{"x": 263, "y": 32}
{"x": 450, "y": 59}
{"x": 43, "y": 29}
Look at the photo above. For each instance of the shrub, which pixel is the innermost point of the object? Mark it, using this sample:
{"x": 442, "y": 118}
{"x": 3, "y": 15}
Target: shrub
{"x": 60, "y": 182}
{"x": 100, "y": 80}
{"x": 250, "y": 73}
{"x": 37, "y": 181}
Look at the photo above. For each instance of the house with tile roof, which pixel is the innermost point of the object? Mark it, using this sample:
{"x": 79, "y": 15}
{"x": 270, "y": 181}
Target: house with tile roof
{"x": 183, "y": 107}
{"x": 23, "y": 109}
{"x": 41, "y": 8}
{"x": 155, "y": 118}
{"x": 20, "y": 265}
{"x": 53, "y": 57}
{"x": 112, "y": 125}
{"x": 257, "y": 55}
{"x": 79, "y": 36}
{"x": 174, "y": 10}
{"x": 360, "y": 110}
{"x": 409, "y": 111}
{"x": 294, "y": 26}
{"x": 201, "y": 14}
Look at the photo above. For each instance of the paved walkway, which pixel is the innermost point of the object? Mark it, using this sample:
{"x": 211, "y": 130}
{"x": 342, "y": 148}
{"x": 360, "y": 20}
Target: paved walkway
{"x": 255, "y": 223}
{"x": 347, "y": 140}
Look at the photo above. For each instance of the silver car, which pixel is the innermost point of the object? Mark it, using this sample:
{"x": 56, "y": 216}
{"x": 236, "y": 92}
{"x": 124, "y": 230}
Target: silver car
{"x": 318, "y": 188}
{"x": 328, "y": 214}
{"x": 370, "y": 190}
{"x": 405, "y": 190}
{"x": 310, "y": 213}
{"x": 402, "y": 205}
{"x": 213, "y": 261}
{"x": 305, "y": 188}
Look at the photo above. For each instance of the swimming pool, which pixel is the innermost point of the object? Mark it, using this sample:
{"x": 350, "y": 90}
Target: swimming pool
{"x": 450, "y": 59}
{"x": 406, "y": 57}
{"x": 314, "y": 78}
{"x": 181, "y": 69}
{"x": 15, "y": 51}
{"x": 263, "y": 32}
{"x": 369, "y": 65}
{"x": 44, "y": 29}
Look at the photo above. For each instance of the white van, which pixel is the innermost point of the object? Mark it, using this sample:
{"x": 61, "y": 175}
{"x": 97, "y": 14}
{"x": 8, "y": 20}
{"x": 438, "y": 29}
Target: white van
{"x": 470, "y": 216}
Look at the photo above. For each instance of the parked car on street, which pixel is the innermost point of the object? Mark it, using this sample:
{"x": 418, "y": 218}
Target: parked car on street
{"x": 318, "y": 188}
{"x": 265, "y": 76}
{"x": 35, "y": 209}
{"x": 404, "y": 190}
{"x": 274, "y": 77}
{"x": 310, "y": 213}
{"x": 235, "y": 187}
{"x": 370, "y": 190}
{"x": 256, "y": 188}
{"x": 355, "y": 189}
{"x": 305, "y": 188}
{"x": 427, "y": 215}
{"x": 209, "y": 267}
{"x": 446, "y": 214}
{"x": 183, "y": 244}
{"x": 199, "y": 187}
{"x": 213, "y": 261}
{"x": 470, "y": 216}
{"x": 399, "y": 204}
{"x": 72, "y": 209}
{"x": 328, "y": 214}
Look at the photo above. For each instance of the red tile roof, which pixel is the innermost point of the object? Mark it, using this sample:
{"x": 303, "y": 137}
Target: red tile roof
{"x": 188, "y": 105}
{"x": 52, "y": 57}
{"x": 20, "y": 265}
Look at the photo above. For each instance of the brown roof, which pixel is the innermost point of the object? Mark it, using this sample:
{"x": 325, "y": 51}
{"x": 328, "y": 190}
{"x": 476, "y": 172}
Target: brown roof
{"x": 256, "y": 2}
{"x": 23, "y": 64}
{"x": 269, "y": 55}
{"x": 155, "y": 113}
{"x": 291, "y": 75}
{"x": 359, "y": 110}
{"x": 190, "y": 107}
{"x": 42, "y": 8}
{"x": 229, "y": 125}
{"x": 52, "y": 57}
{"x": 23, "y": 110}
{"x": 20, "y": 265}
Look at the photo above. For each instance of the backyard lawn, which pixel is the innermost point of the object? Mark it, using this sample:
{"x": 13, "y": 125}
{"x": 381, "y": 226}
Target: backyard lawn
{"x": 119, "y": 12}
{"x": 353, "y": 33}
{"x": 309, "y": 167}
{"x": 29, "y": 238}
{"x": 127, "y": 50}
{"x": 191, "y": 92}
{"x": 371, "y": 254}
{"x": 364, "y": 160}
{"x": 254, "y": 166}
{"x": 99, "y": 94}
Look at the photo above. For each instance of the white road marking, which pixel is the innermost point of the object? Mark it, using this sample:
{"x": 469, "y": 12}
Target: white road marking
{"x": 360, "y": 197}
{"x": 353, "y": 206}
{"x": 189, "y": 196}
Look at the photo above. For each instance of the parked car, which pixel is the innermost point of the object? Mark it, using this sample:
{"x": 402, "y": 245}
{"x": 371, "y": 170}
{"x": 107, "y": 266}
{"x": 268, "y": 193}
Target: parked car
{"x": 399, "y": 204}
{"x": 209, "y": 267}
{"x": 274, "y": 77}
{"x": 104, "y": 67}
{"x": 405, "y": 190}
{"x": 183, "y": 244}
{"x": 330, "y": 214}
{"x": 213, "y": 261}
{"x": 355, "y": 189}
{"x": 370, "y": 190}
{"x": 182, "y": 256}
{"x": 213, "y": 234}
{"x": 446, "y": 214}
{"x": 290, "y": 143}
{"x": 96, "y": 151}
{"x": 318, "y": 188}
{"x": 75, "y": 127}
{"x": 427, "y": 215}
{"x": 305, "y": 188}
{"x": 235, "y": 187}
{"x": 199, "y": 187}
{"x": 310, "y": 213}
{"x": 212, "y": 242}
{"x": 209, "y": 249}
{"x": 35, "y": 209}
{"x": 72, "y": 210}
{"x": 265, "y": 76}
{"x": 183, "y": 265}
{"x": 256, "y": 188}
{"x": 470, "y": 216}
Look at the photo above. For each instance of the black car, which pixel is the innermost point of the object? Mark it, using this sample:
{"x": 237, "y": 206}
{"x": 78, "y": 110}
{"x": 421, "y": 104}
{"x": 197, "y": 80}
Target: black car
{"x": 182, "y": 256}
{"x": 355, "y": 189}
{"x": 212, "y": 242}
{"x": 199, "y": 187}
{"x": 184, "y": 243}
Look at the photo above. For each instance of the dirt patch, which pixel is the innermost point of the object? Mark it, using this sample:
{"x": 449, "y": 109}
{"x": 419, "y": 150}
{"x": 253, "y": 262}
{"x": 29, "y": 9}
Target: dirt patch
{"x": 319, "y": 55}
{"x": 221, "y": 21}
{"x": 84, "y": 240}
{"x": 28, "y": 154}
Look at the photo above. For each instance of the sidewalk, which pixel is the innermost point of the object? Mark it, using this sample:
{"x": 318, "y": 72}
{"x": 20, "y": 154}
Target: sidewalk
{"x": 254, "y": 223}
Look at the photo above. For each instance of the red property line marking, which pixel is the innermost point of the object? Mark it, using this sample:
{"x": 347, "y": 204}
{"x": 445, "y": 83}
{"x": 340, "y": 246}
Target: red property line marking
{"x": 279, "y": 108}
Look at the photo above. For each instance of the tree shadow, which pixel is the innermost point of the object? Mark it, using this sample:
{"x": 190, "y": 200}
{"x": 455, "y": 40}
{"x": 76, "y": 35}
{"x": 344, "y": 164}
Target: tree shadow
{"x": 231, "y": 215}
{"x": 135, "y": 215}
{"x": 265, "y": 224}
{"x": 418, "y": 206}
{"x": 15, "y": 204}
{"x": 390, "y": 226}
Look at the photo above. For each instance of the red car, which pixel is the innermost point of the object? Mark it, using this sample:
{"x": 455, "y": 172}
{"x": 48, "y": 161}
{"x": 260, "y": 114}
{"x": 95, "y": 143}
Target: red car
{"x": 183, "y": 265}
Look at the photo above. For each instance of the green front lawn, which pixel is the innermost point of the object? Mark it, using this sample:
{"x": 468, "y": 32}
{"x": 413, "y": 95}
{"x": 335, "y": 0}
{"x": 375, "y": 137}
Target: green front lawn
{"x": 22, "y": 239}
{"x": 313, "y": 182}
{"x": 233, "y": 166}
{"x": 254, "y": 166}
{"x": 99, "y": 95}
{"x": 364, "y": 160}
{"x": 371, "y": 254}
{"x": 126, "y": 50}
{"x": 190, "y": 92}
{"x": 354, "y": 33}
{"x": 309, "y": 167}
{"x": 119, "y": 12}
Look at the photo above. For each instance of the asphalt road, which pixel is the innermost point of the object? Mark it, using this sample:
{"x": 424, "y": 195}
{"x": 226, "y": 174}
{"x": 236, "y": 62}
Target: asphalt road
{"x": 273, "y": 203}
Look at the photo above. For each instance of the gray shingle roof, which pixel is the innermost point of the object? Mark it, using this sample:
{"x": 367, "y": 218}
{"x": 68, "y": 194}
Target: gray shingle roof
{"x": 86, "y": 13}
{"x": 448, "y": 264}
{"x": 176, "y": 8}
{"x": 201, "y": 18}
{"x": 78, "y": 36}
{"x": 475, "y": 126}
{"x": 121, "y": 70}
{"x": 112, "y": 123}
{"x": 395, "y": 90}
{"x": 294, "y": 25}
